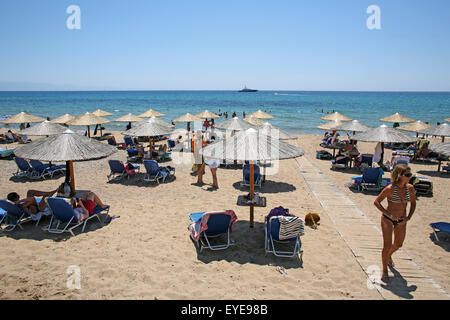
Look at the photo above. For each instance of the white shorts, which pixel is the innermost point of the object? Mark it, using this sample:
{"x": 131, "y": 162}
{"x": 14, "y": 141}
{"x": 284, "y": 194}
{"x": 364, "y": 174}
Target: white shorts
{"x": 212, "y": 163}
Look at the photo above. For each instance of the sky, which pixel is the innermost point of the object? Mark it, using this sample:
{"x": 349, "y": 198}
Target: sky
{"x": 224, "y": 45}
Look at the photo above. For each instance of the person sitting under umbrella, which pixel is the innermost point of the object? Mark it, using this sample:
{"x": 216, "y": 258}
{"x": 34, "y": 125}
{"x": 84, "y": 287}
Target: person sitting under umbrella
{"x": 88, "y": 201}
{"x": 29, "y": 204}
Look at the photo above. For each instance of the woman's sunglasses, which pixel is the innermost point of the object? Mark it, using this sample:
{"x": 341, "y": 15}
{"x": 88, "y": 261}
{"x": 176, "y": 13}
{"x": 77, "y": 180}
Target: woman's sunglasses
{"x": 408, "y": 175}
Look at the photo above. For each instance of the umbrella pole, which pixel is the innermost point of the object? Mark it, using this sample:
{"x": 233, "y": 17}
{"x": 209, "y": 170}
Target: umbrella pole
{"x": 72, "y": 178}
{"x": 264, "y": 175}
{"x": 382, "y": 153}
{"x": 252, "y": 190}
{"x": 89, "y": 131}
{"x": 439, "y": 166}
{"x": 151, "y": 148}
{"x": 443, "y": 138}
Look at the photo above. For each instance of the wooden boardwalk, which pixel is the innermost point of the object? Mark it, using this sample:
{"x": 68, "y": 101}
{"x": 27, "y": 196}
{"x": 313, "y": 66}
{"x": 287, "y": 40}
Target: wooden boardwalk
{"x": 364, "y": 239}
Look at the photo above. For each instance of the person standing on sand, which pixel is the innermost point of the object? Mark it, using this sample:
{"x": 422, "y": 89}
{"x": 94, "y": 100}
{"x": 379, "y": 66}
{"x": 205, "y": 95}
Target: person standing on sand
{"x": 394, "y": 218}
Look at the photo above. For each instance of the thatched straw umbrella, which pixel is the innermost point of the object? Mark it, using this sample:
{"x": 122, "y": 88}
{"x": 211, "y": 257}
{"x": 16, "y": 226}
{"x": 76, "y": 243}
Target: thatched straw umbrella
{"x": 22, "y": 118}
{"x": 87, "y": 119}
{"x": 69, "y": 147}
{"x": 354, "y": 126}
{"x": 254, "y": 120}
{"x": 330, "y": 125}
{"x": 149, "y": 128}
{"x": 415, "y": 127}
{"x": 384, "y": 134}
{"x": 188, "y": 118}
{"x": 235, "y": 124}
{"x": 397, "y": 118}
{"x": 251, "y": 145}
{"x": 63, "y": 119}
{"x": 261, "y": 115}
{"x": 101, "y": 113}
{"x": 442, "y": 130}
{"x": 336, "y": 116}
{"x": 270, "y": 130}
{"x": 128, "y": 118}
{"x": 208, "y": 115}
{"x": 441, "y": 148}
{"x": 151, "y": 113}
{"x": 45, "y": 128}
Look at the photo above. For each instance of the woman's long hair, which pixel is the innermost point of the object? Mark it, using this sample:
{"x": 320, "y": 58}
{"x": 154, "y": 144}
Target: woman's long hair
{"x": 398, "y": 171}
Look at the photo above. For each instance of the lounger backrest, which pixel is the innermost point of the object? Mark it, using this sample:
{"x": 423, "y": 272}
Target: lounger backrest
{"x": 367, "y": 158}
{"x": 11, "y": 208}
{"x": 170, "y": 143}
{"x": 111, "y": 141}
{"x": 116, "y": 166}
{"x": 218, "y": 223}
{"x": 36, "y": 164}
{"x": 274, "y": 229}
{"x": 22, "y": 164}
{"x": 62, "y": 210}
{"x": 128, "y": 141}
{"x": 151, "y": 166}
{"x": 371, "y": 175}
{"x": 247, "y": 171}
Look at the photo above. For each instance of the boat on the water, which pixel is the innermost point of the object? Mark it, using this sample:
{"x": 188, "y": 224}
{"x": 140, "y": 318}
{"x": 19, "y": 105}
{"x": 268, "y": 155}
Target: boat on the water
{"x": 247, "y": 90}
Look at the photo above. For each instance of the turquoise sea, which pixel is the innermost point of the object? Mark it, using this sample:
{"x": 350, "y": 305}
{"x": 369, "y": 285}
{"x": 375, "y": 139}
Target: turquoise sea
{"x": 294, "y": 111}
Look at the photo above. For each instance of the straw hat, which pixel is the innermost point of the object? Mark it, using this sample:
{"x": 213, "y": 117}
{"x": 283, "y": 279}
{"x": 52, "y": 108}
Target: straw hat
{"x": 101, "y": 113}
{"x": 330, "y": 125}
{"x": 271, "y": 130}
{"x": 254, "y": 120}
{"x": 63, "y": 119}
{"x": 188, "y": 118}
{"x": 336, "y": 116}
{"x": 23, "y": 117}
{"x": 87, "y": 119}
{"x": 384, "y": 134}
{"x": 128, "y": 118}
{"x": 397, "y": 117}
{"x": 354, "y": 125}
{"x": 261, "y": 115}
{"x": 414, "y": 126}
{"x": 151, "y": 113}
{"x": 68, "y": 146}
{"x": 235, "y": 124}
{"x": 45, "y": 128}
{"x": 207, "y": 115}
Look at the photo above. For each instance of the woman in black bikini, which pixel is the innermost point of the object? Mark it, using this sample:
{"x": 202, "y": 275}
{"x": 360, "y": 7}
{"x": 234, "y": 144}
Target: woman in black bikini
{"x": 394, "y": 218}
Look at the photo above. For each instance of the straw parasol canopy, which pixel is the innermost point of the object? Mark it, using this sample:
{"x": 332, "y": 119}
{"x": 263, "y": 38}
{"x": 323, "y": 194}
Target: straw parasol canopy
{"x": 415, "y": 127}
{"x": 235, "y": 124}
{"x": 442, "y": 130}
{"x": 442, "y": 148}
{"x": 45, "y": 128}
{"x": 384, "y": 134}
{"x": 336, "y": 116}
{"x": 101, "y": 113}
{"x": 151, "y": 113}
{"x": 22, "y": 117}
{"x": 207, "y": 115}
{"x": 63, "y": 119}
{"x": 261, "y": 115}
{"x": 251, "y": 145}
{"x": 254, "y": 120}
{"x": 149, "y": 128}
{"x": 68, "y": 147}
{"x": 270, "y": 130}
{"x": 87, "y": 119}
{"x": 354, "y": 126}
{"x": 128, "y": 118}
{"x": 397, "y": 117}
{"x": 188, "y": 118}
{"x": 330, "y": 125}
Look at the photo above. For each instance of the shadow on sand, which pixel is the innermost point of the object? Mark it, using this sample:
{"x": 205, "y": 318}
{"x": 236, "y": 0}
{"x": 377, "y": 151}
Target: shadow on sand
{"x": 434, "y": 173}
{"x": 138, "y": 181}
{"x": 248, "y": 247}
{"x": 399, "y": 286}
{"x": 267, "y": 187}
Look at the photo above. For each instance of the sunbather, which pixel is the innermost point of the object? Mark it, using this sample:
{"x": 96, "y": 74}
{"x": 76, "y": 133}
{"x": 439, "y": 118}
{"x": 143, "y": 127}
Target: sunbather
{"x": 79, "y": 209}
{"x": 89, "y": 201}
{"x": 29, "y": 204}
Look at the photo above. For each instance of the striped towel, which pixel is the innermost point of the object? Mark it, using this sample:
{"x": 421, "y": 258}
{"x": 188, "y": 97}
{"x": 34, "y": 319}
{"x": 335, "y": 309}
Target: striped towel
{"x": 290, "y": 227}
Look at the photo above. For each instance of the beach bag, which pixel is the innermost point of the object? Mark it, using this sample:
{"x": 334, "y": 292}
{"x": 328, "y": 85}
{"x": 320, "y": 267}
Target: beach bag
{"x": 312, "y": 219}
{"x": 323, "y": 155}
{"x": 64, "y": 190}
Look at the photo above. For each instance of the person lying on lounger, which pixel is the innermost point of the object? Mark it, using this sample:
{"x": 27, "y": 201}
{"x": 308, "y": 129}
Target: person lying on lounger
{"x": 88, "y": 201}
{"x": 29, "y": 204}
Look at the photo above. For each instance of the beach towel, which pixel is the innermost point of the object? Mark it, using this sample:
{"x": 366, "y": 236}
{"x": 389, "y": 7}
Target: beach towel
{"x": 197, "y": 226}
{"x": 290, "y": 227}
{"x": 377, "y": 154}
{"x": 279, "y": 211}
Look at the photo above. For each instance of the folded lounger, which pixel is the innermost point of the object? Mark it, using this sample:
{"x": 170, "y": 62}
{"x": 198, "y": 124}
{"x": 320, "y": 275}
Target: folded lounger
{"x": 283, "y": 229}
{"x": 205, "y": 225}
{"x": 64, "y": 217}
{"x": 440, "y": 226}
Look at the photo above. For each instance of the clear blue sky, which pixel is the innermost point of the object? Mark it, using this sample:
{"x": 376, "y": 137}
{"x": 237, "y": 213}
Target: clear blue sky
{"x": 195, "y": 45}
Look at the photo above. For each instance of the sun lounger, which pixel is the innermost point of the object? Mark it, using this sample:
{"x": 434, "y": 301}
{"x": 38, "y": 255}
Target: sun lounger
{"x": 440, "y": 226}
{"x": 128, "y": 142}
{"x": 367, "y": 158}
{"x": 205, "y": 225}
{"x": 13, "y": 216}
{"x": 246, "y": 176}
{"x": 283, "y": 230}
{"x": 340, "y": 163}
{"x": 119, "y": 170}
{"x": 23, "y": 168}
{"x": 371, "y": 179}
{"x": 6, "y": 153}
{"x": 64, "y": 218}
{"x": 112, "y": 142}
{"x": 155, "y": 172}
{"x": 41, "y": 171}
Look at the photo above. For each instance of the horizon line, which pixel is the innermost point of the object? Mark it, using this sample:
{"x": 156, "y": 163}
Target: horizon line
{"x": 228, "y": 90}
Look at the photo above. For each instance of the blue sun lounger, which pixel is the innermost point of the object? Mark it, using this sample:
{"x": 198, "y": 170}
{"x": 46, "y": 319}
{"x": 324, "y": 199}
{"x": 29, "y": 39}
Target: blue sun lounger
{"x": 155, "y": 172}
{"x": 64, "y": 218}
{"x": 41, "y": 171}
{"x": 440, "y": 226}
{"x": 23, "y": 168}
{"x": 246, "y": 176}
{"x": 13, "y": 215}
{"x": 272, "y": 234}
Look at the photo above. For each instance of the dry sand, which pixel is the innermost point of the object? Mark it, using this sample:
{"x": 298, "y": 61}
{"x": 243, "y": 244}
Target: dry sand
{"x": 147, "y": 253}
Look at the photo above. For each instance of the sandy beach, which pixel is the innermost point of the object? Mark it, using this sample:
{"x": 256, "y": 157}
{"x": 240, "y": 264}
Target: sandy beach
{"x": 146, "y": 251}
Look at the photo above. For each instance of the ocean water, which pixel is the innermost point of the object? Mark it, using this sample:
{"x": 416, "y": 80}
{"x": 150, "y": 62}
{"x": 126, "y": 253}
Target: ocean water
{"x": 294, "y": 111}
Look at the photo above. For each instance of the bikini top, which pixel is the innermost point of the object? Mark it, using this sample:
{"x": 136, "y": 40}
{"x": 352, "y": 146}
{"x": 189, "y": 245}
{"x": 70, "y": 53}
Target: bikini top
{"x": 396, "y": 197}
